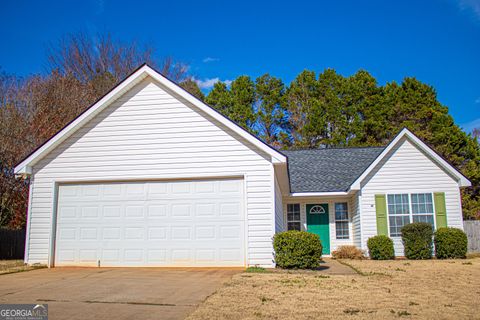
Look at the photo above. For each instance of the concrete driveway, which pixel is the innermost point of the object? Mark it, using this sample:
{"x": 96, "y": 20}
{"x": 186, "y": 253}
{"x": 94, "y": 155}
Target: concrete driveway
{"x": 114, "y": 293}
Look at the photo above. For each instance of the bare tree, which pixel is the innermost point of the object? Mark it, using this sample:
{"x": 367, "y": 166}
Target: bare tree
{"x": 80, "y": 70}
{"x": 87, "y": 58}
{"x": 13, "y": 144}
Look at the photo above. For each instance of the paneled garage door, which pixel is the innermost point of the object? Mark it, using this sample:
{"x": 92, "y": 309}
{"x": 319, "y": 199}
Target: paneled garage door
{"x": 182, "y": 223}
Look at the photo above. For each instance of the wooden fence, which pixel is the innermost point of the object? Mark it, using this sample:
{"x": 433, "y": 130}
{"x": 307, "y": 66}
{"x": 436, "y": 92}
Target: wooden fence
{"x": 472, "y": 229}
{"x": 12, "y": 244}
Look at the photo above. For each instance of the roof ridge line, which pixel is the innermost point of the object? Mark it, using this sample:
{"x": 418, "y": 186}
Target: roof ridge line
{"x": 335, "y": 148}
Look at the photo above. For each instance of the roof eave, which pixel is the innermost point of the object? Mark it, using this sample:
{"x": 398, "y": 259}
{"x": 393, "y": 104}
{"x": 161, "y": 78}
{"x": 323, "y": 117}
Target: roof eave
{"x": 24, "y": 171}
{"x": 320, "y": 194}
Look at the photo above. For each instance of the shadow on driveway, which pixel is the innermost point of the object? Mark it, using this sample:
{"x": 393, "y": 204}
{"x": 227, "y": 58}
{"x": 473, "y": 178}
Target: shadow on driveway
{"x": 114, "y": 293}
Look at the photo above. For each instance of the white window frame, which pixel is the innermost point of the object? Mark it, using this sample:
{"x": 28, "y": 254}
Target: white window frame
{"x": 423, "y": 214}
{"x": 299, "y": 216}
{"x": 410, "y": 209}
{"x": 409, "y": 215}
{"x": 343, "y": 220}
{"x": 322, "y": 210}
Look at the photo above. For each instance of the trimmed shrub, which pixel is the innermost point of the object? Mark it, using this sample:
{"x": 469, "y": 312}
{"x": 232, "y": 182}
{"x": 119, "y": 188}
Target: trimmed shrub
{"x": 348, "y": 252}
{"x": 417, "y": 240}
{"x": 450, "y": 243}
{"x": 297, "y": 250}
{"x": 380, "y": 248}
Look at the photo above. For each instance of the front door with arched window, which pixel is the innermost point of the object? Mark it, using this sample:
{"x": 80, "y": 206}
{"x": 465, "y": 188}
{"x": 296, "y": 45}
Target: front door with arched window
{"x": 317, "y": 222}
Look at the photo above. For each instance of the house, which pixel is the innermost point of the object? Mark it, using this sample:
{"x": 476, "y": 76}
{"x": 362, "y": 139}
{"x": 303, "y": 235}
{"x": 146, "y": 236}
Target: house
{"x": 151, "y": 176}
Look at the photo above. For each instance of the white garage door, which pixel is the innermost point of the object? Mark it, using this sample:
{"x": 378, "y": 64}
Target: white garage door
{"x": 183, "y": 223}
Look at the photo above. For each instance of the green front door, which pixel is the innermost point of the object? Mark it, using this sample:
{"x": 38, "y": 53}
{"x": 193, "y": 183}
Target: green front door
{"x": 317, "y": 222}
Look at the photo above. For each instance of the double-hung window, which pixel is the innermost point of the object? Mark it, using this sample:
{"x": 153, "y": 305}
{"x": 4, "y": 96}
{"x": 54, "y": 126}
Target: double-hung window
{"x": 293, "y": 216}
{"x": 407, "y": 208}
{"x": 341, "y": 220}
{"x": 398, "y": 213}
{"x": 422, "y": 207}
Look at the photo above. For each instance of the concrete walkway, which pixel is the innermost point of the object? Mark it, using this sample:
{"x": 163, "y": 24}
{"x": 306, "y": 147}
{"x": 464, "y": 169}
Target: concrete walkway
{"x": 114, "y": 293}
{"x": 333, "y": 267}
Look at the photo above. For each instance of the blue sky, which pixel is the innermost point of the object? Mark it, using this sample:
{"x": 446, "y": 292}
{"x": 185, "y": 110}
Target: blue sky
{"x": 437, "y": 41}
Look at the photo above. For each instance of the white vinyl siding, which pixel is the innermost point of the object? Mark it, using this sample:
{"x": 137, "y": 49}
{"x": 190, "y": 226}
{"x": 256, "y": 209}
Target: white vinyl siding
{"x": 356, "y": 219}
{"x": 279, "y": 223}
{"x": 407, "y": 170}
{"x": 149, "y": 134}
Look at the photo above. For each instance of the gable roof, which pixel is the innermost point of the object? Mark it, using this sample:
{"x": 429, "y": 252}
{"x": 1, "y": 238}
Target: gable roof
{"x": 144, "y": 71}
{"x": 341, "y": 170}
{"x": 328, "y": 170}
{"x": 434, "y": 156}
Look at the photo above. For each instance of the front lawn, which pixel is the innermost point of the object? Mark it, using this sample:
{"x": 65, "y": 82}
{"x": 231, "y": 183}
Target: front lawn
{"x": 432, "y": 289}
{"x": 12, "y": 266}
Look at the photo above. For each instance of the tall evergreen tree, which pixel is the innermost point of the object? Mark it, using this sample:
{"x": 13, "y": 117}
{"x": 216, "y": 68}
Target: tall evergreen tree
{"x": 301, "y": 103}
{"x": 243, "y": 98}
{"x": 363, "y": 113}
{"x": 272, "y": 120}
{"x": 235, "y": 103}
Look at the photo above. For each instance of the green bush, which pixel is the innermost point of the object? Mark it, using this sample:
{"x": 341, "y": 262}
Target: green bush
{"x": 297, "y": 249}
{"x": 380, "y": 248}
{"x": 417, "y": 240}
{"x": 450, "y": 243}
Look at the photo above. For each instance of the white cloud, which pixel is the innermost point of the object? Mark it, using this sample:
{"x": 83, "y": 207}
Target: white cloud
{"x": 210, "y": 59}
{"x": 209, "y": 83}
{"x": 469, "y": 126}
{"x": 473, "y": 5}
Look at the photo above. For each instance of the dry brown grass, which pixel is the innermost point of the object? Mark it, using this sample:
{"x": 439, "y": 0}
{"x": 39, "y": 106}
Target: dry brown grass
{"x": 386, "y": 289}
{"x": 12, "y": 266}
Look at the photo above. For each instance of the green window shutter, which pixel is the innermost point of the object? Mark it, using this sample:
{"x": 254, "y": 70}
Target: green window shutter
{"x": 440, "y": 209}
{"x": 381, "y": 208}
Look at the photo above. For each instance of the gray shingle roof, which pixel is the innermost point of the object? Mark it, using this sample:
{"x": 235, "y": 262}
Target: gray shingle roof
{"x": 328, "y": 170}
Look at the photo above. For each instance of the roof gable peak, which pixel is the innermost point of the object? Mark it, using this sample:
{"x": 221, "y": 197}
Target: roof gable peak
{"x": 143, "y": 71}
{"x": 406, "y": 133}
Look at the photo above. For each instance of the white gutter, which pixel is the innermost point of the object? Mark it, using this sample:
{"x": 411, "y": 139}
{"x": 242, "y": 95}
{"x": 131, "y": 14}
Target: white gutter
{"x": 318, "y": 194}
